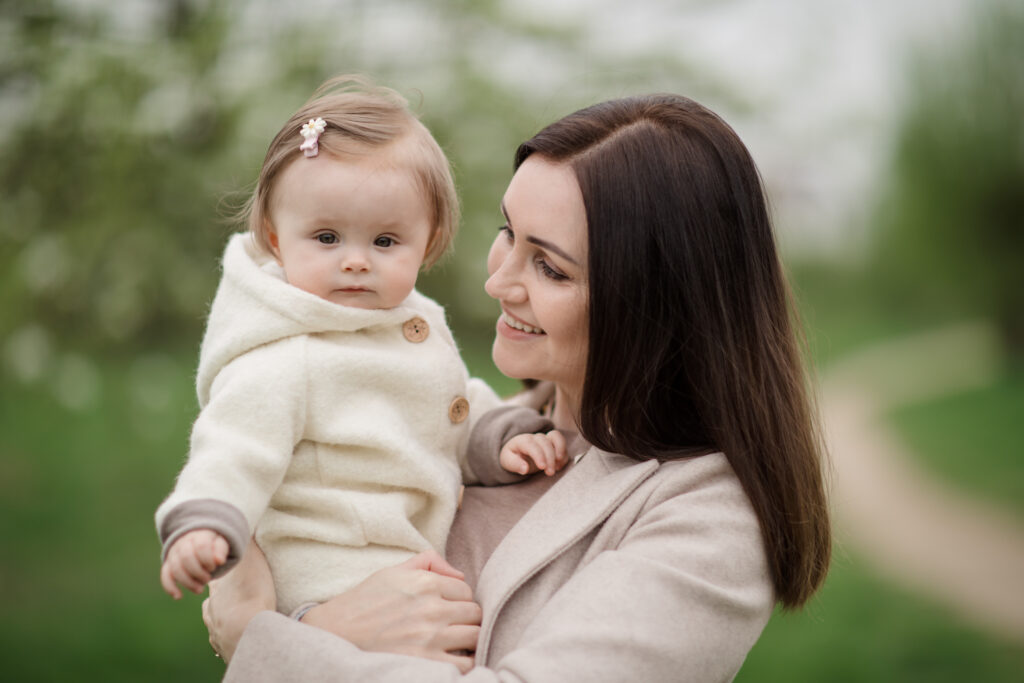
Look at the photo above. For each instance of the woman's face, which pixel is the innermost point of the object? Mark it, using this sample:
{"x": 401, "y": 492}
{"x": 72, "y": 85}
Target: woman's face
{"x": 537, "y": 268}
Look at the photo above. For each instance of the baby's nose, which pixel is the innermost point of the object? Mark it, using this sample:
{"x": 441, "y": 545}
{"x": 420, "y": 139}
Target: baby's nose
{"x": 354, "y": 260}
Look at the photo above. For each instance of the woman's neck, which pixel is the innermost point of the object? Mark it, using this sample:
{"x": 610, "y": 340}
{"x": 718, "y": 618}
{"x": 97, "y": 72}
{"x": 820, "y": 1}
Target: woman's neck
{"x": 563, "y": 411}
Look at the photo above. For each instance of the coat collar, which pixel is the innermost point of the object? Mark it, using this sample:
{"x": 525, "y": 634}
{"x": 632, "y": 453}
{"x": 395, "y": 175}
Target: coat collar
{"x": 581, "y": 500}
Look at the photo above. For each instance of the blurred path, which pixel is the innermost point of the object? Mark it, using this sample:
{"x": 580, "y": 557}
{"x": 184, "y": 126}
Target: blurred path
{"x": 911, "y": 527}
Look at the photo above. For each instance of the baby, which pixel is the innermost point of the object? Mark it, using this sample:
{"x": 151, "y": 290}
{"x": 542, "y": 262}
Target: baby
{"x": 335, "y": 409}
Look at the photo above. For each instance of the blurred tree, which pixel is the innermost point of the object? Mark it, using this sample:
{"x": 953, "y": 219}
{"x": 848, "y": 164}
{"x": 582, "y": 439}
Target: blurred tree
{"x": 952, "y": 221}
{"x": 125, "y": 127}
{"x": 109, "y": 175}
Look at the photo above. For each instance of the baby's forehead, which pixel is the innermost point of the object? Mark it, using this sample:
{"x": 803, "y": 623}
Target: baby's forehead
{"x": 401, "y": 155}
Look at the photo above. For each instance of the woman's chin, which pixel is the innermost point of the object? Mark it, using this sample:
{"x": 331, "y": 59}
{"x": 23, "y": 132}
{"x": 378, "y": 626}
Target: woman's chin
{"x": 509, "y": 364}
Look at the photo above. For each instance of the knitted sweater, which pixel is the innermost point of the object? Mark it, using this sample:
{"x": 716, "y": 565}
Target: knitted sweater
{"x": 337, "y": 435}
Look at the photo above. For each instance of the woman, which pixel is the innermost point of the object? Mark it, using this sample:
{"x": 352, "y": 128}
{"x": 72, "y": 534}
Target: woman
{"x": 638, "y": 280}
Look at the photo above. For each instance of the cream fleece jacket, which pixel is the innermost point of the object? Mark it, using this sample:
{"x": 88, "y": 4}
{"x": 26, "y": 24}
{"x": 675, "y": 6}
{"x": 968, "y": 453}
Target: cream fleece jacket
{"x": 334, "y": 433}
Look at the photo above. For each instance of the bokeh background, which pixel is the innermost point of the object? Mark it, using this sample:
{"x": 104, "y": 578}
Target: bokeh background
{"x": 891, "y": 139}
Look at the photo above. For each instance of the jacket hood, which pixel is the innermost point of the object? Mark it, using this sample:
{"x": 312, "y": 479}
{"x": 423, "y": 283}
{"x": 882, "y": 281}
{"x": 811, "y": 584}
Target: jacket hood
{"x": 255, "y": 306}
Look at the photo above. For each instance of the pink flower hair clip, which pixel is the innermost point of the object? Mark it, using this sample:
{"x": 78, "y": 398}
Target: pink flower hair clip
{"x": 311, "y": 135}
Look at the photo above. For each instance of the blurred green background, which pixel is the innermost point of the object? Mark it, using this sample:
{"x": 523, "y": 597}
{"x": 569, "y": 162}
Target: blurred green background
{"x": 890, "y": 136}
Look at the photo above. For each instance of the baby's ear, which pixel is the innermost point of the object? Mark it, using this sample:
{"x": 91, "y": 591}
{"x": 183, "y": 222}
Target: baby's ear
{"x": 274, "y": 248}
{"x": 426, "y": 263}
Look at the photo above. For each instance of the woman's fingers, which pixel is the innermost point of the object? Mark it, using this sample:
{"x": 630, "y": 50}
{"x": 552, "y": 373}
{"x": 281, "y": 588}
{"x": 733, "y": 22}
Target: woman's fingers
{"x": 446, "y": 587}
{"x": 249, "y": 581}
{"x": 458, "y": 637}
{"x": 421, "y": 607}
{"x": 210, "y": 625}
{"x": 431, "y": 561}
{"x": 468, "y": 613}
{"x": 235, "y": 598}
{"x": 207, "y": 617}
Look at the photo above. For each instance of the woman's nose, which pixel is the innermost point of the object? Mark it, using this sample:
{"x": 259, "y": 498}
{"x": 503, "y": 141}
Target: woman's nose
{"x": 504, "y": 282}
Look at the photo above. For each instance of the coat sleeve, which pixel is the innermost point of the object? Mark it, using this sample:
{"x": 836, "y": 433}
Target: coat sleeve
{"x": 682, "y": 596}
{"x": 241, "y": 444}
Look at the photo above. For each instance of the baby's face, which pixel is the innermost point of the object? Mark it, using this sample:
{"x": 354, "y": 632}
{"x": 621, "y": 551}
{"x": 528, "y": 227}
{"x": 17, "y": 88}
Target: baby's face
{"x": 350, "y": 231}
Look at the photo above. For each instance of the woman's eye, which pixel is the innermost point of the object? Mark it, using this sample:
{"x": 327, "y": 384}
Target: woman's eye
{"x": 550, "y": 272}
{"x": 327, "y": 238}
{"x": 383, "y": 241}
{"x": 509, "y": 235}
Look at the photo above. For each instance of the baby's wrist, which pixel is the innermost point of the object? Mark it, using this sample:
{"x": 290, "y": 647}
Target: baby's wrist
{"x": 302, "y": 610}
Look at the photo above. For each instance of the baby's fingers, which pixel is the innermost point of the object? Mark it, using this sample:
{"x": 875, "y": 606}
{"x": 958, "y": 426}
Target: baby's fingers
{"x": 168, "y": 582}
{"x": 545, "y": 456}
{"x": 191, "y": 582}
{"x": 526, "y": 464}
{"x": 192, "y": 574}
{"x": 212, "y": 554}
{"x": 557, "y": 440}
{"x": 220, "y": 550}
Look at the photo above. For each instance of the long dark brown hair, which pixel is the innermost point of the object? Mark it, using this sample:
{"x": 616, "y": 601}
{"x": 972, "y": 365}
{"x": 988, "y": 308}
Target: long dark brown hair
{"x": 693, "y": 344}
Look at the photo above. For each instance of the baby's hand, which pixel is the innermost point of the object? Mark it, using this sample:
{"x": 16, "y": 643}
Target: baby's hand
{"x": 528, "y": 453}
{"x": 192, "y": 560}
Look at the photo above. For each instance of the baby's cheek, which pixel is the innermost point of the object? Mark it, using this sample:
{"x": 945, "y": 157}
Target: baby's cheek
{"x": 404, "y": 280}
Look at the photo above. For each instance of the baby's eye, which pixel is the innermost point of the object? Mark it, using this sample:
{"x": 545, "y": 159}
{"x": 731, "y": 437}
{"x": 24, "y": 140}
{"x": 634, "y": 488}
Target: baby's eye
{"x": 327, "y": 238}
{"x": 383, "y": 241}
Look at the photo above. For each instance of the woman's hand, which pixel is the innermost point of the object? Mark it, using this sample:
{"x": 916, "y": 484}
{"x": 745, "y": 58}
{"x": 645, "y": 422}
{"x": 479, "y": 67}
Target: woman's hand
{"x": 236, "y": 598}
{"x": 421, "y": 607}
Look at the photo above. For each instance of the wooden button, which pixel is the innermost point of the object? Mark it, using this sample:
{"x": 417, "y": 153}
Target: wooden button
{"x": 458, "y": 410}
{"x": 416, "y": 330}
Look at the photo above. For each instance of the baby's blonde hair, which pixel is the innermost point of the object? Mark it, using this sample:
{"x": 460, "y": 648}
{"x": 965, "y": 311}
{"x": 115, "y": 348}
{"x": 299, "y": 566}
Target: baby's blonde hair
{"x": 362, "y": 117}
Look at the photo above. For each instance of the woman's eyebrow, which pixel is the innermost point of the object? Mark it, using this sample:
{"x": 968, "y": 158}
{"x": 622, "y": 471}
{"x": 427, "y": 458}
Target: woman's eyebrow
{"x": 544, "y": 244}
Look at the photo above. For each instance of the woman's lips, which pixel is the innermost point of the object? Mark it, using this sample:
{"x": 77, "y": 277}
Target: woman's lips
{"x": 517, "y": 324}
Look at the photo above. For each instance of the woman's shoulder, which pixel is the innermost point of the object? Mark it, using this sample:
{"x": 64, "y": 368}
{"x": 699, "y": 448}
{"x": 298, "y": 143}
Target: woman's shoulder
{"x": 693, "y": 513}
{"x": 696, "y": 468}
{"x": 702, "y": 485}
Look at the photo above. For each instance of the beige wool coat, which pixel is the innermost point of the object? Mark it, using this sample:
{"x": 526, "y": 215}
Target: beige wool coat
{"x": 621, "y": 571}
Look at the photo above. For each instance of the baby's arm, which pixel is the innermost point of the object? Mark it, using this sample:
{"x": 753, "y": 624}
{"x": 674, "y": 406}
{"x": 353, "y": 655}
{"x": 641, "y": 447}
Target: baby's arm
{"x": 191, "y": 561}
{"x": 527, "y": 453}
{"x": 489, "y": 435}
{"x": 241, "y": 447}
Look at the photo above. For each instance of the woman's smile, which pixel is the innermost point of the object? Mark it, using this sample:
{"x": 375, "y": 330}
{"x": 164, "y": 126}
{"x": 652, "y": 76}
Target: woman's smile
{"x": 517, "y": 324}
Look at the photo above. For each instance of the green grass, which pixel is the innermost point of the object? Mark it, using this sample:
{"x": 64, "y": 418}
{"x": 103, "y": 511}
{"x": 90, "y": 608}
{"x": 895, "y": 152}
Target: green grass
{"x": 861, "y": 629}
{"x": 974, "y": 439}
{"x": 77, "y": 494}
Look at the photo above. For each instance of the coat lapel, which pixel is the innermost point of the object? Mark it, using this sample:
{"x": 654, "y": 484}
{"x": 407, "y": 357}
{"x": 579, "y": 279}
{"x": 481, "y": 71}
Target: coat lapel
{"x": 577, "y": 503}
